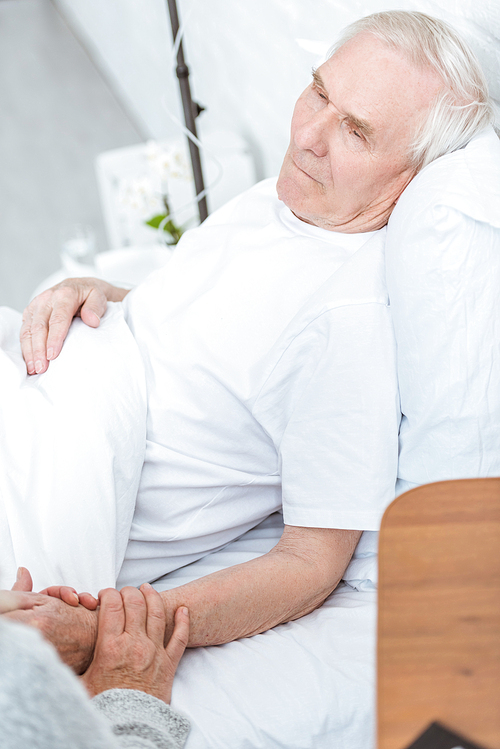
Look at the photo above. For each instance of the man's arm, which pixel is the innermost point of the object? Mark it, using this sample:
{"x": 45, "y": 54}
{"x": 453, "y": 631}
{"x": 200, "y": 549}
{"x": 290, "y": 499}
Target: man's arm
{"x": 47, "y": 318}
{"x": 291, "y": 580}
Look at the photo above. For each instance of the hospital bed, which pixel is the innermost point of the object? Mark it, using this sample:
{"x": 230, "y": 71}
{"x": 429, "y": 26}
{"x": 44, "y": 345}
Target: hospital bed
{"x": 311, "y": 682}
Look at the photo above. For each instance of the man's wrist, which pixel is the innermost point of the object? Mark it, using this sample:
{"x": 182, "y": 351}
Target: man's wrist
{"x": 169, "y": 607}
{"x": 82, "y": 654}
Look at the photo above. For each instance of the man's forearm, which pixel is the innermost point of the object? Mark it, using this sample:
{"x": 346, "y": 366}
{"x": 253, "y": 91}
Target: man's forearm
{"x": 291, "y": 580}
{"x": 284, "y": 584}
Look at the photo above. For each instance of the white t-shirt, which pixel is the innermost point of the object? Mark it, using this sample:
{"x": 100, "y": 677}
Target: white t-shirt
{"x": 270, "y": 363}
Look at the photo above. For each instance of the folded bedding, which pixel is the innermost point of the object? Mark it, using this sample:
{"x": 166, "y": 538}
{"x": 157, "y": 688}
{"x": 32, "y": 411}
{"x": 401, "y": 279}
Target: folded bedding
{"x": 72, "y": 444}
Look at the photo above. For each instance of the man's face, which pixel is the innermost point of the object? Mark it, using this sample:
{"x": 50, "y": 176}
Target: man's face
{"x": 347, "y": 162}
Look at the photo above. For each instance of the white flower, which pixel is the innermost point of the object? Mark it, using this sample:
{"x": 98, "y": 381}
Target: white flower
{"x": 167, "y": 162}
{"x": 140, "y": 196}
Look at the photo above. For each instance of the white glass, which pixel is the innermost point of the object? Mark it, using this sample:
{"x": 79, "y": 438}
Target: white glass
{"x": 78, "y": 249}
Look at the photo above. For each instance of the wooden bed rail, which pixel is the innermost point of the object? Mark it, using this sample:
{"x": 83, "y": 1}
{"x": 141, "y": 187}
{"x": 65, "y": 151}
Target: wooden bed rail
{"x": 439, "y": 613}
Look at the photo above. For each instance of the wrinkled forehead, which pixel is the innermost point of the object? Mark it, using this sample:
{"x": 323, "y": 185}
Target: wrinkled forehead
{"x": 379, "y": 84}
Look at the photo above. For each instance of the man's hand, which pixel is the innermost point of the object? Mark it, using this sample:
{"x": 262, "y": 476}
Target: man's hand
{"x": 70, "y": 596}
{"x": 47, "y": 318}
{"x": 129, "y": 652}
{"x": 72, "y": 630}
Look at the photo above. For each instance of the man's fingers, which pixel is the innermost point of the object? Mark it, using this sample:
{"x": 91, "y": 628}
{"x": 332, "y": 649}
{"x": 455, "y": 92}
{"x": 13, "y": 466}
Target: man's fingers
{"x": 111, "y": 614}
{"x": 43, "y": 312}
{"x": 63, "y": 592}
{"x": 25, "y": 338}
{"x": 135, "y": 611}
{"x": 23, "y": 580}
{"x": 47, "y": 319}
{"x": 90, "y": 311}
{"x": 58, "y": 326}
{"x": 39, "y": 332}
{"x": 88, "y": 600}
{"x": 156, "y": 618}
{"x": 93, "y": 308}
{"x": 180, "y": 636}
{"x": 70, "y": 596}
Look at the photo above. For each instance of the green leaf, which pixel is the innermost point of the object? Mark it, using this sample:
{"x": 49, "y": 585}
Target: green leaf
{"x": 156, "y": 220}
{"x": 170, "y": 227}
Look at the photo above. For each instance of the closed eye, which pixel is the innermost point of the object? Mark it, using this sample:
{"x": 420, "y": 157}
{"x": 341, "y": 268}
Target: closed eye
{"x": 320, "y": 93}
{"x": 352, "y": 130}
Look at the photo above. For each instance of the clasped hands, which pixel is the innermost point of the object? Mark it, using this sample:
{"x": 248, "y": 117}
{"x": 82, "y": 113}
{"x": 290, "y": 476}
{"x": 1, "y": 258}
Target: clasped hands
{"x": 119, "y": 644}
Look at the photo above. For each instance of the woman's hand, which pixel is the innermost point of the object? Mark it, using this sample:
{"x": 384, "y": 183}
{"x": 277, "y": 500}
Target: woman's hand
{"x": 46, "y": 320}
{"x": 129, "y": 652}
{"x": 71, "y": 629}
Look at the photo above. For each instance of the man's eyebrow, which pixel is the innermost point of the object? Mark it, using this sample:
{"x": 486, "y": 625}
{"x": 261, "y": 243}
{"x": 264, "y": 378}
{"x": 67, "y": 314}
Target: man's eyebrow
{"x": 362, "y": 125}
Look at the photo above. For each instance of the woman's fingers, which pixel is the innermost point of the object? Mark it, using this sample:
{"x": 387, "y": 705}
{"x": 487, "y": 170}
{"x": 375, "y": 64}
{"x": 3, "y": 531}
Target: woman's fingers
{"x": 180, "y": 636}
{"x": 111, "y": 614}
{"x": 135, "y": 611}
{"x": 156, "y": 618}
{"x": 24, "y": 580}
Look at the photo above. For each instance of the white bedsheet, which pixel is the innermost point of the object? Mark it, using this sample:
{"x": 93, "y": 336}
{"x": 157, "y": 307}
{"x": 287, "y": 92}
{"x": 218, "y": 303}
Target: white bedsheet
{"x": 308, "y": 684}
{"x": 72, "y": 445}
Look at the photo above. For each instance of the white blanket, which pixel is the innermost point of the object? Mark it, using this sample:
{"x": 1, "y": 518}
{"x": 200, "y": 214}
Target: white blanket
{"x": 71, "y": 450}
{"x": 72, "y": 445}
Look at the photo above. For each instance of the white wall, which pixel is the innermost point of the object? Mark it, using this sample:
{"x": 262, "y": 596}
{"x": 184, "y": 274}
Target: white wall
{"x": 246, "y": 66}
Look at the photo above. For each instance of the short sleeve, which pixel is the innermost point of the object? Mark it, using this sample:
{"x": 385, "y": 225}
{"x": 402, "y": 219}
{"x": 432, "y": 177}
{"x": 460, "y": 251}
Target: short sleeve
{"x": 331, "y": 407}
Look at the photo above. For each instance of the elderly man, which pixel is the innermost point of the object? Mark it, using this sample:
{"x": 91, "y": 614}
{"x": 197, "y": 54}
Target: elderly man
{"x": 268, "y": 344}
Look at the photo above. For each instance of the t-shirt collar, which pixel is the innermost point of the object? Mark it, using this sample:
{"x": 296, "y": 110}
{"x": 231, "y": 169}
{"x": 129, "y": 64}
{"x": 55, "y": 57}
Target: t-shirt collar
{"x": 350, "y": 241}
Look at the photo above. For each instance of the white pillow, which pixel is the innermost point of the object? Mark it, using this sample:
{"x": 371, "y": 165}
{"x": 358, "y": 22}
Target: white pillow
{"x": 443, "y": 277}
{"x": 72, "y": 445}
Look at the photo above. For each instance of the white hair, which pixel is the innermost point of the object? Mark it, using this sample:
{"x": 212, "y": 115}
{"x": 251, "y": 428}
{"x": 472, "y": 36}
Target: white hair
{"x": 463, "y": 107}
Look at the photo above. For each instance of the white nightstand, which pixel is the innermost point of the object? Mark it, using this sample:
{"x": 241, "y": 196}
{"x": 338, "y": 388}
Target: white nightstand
{"x": 137, "y": 249}
{"x": 125, "y": 267}
{"x": 112, "y": 167}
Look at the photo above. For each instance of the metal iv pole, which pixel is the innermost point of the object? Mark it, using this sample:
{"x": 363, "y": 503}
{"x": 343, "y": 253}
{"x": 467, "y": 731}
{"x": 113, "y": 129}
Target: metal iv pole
{"x": 191, "y": 111}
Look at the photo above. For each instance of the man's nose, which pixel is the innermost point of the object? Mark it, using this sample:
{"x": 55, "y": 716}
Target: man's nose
{"x": 313, "y": 134}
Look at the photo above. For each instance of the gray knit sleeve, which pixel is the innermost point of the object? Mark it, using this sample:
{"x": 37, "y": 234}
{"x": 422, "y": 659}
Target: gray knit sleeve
{"x": 44, "y": 705}
{"x": 138, "y": 719}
